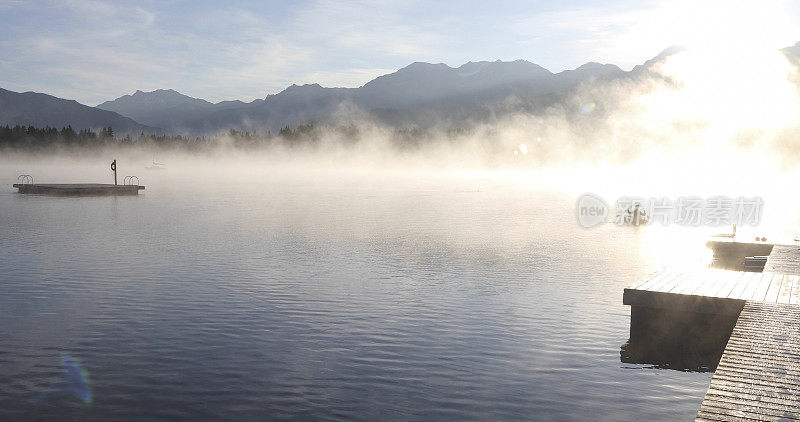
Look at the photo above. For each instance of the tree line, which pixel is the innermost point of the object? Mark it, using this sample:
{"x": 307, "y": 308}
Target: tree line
{"x": 31, "y": 138}
{"x": 35, "y": 139}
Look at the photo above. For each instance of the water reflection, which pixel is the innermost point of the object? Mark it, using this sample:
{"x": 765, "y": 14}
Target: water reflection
{"x": 685, "y": 341}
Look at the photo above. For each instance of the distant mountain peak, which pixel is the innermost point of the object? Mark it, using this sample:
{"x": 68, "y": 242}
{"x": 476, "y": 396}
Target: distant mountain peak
{"x": 159, "y": 95}
{"x": 299, "y": 89}
{"x": 424, "y": 66}
{"x": 658, "y": 58}
{"x": 159, "y": 107}
{"x": 590, "y": 65}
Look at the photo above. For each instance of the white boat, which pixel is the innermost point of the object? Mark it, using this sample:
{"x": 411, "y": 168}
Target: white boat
{"x": 156, "y": 165}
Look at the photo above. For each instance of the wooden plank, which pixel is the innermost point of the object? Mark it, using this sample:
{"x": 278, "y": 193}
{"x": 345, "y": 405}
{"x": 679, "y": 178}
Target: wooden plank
{"x": 726, "y": 281}
{"x": 668, "y": 275}
{"x": 707, "y": 284}
{"x": 645, "y": 283}
{"x": 748, "y": 363}
{"x": 675, "y": 283}
{"x": 739, "y": 287}
{"x": 659, "y": 285}
{"x": 795, "y": 297}
{"x": 679, "y": 281}
{"x": 714, "y": 413}
{"x": 756, "y": 381}
{"x": 760, "y": 290}
{"x": 772, "y": 392}
{"x": 752, "y": 285}
{"x": 642, "y": 282}
{"x": 689, "y": 285}
{"x": 744, "y": 408}
{"x": 729, "y": 285}
{"x": 711, "y": 285}
{"x": 754, "y": 402}
{"x": 699, "y": 284}
{"x": 786, "y": 289}
{"x": 774, "y": 289}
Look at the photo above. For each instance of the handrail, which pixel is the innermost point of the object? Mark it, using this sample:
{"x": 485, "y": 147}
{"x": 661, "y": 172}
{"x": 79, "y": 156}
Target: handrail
{"x": 24, "y": 179}
{"x": 128, "y": 180}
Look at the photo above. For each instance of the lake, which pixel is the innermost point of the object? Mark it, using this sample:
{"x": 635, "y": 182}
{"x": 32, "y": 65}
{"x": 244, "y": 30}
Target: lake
{"x": 324, "y": 294}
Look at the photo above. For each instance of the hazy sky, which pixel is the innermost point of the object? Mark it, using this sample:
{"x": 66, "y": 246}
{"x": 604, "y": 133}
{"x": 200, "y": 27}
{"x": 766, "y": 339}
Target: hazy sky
{"x": 93, "y": 51}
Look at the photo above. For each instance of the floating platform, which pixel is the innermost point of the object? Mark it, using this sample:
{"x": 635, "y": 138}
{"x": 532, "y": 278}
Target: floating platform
{"x": 732, "y": 255}
{"x": 747, "y": 326}
{"x": 78, "y": 189}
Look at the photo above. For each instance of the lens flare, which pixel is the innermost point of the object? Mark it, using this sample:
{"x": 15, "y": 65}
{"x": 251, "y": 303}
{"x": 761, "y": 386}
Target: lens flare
{"x": 76, "y": 377}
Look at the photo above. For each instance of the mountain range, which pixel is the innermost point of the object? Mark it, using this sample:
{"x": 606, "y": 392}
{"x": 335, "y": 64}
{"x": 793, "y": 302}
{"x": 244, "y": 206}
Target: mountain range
{"x": 408, "y": 97}
{"x": 418, "y": 95}
{"x": 40, "y": 110}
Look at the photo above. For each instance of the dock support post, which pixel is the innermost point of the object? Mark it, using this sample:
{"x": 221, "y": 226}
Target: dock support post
{"x": 114, "y": 167}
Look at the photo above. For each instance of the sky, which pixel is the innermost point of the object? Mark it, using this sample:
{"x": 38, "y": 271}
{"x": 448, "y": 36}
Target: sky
{"x": 93, "y": 51}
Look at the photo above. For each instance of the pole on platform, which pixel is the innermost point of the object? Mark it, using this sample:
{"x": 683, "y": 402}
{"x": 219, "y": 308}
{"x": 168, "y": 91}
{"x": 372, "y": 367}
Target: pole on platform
{"x": 114, "y": 167}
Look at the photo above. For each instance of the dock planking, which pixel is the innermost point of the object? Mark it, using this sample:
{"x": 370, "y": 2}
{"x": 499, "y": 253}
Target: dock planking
{"x": 709, "y": 285}
{"x": 784, "y": 259}
{"x": 78, "y": 189}
{"x": 758, "y": 376}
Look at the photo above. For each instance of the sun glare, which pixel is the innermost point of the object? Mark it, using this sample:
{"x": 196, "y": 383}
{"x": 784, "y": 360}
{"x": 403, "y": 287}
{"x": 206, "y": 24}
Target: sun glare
{"x": 731, "y": 86}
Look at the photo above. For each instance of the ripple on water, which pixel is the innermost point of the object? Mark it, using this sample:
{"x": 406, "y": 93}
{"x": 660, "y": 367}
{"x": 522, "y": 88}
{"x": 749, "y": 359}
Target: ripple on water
{"x": 377, "y": 305}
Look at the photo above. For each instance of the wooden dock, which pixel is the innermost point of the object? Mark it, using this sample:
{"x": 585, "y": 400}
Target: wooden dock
{"x": 758, "y": 375}
{"x": 80, "y": 189}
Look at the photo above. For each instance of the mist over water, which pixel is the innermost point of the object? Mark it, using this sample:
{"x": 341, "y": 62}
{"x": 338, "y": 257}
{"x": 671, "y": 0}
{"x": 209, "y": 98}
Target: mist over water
{"x": 273, "y": 290}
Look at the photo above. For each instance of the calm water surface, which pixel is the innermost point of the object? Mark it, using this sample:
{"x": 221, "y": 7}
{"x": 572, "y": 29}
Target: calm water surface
{"x": 325, "y": 297}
